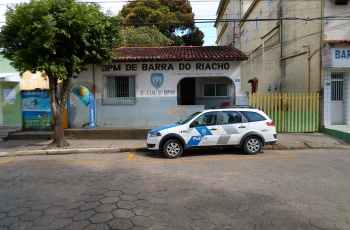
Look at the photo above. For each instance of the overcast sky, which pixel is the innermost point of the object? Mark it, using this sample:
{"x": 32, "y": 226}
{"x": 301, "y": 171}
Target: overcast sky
{"x": 203, "y": 9}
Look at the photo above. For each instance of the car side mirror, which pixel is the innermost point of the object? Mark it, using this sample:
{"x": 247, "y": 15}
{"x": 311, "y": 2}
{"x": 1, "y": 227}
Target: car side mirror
{"x": 194, "y": 124}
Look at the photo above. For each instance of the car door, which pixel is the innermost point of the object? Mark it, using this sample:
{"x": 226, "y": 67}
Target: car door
{"x": 232, "y": 127}
{"x": 205, "y": 132}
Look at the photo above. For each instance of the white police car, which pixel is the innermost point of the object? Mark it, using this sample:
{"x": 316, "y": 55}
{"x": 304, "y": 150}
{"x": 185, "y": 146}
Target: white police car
{"x": 241, "y": 126}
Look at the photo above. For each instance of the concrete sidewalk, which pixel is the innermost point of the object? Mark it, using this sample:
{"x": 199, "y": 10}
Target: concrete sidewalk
{"x": 39, "y": 147}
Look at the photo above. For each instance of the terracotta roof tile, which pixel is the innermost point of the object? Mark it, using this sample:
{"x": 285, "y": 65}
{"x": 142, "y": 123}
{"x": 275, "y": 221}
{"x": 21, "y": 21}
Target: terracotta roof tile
{"x": 179, "y": 53}
{"x": 338, "y": 41}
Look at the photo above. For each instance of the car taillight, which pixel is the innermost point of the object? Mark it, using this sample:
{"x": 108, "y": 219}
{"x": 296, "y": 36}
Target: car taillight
{"x": 270, "y": 123}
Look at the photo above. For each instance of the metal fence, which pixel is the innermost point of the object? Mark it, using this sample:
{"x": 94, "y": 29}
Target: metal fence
{"x": 291, "y": 112}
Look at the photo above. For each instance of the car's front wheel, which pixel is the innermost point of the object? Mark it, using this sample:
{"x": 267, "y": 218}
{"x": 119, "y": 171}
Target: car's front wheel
{"x": 252, "y": 145}
{"x": 172, "y": 149}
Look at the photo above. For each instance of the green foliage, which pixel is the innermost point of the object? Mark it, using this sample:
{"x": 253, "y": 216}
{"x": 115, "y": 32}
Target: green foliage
{"x": 195, "y": 38}
{"x": 145, "y": 37}
{"x": 58, "y": 36}
{"x": 173, "y": 18}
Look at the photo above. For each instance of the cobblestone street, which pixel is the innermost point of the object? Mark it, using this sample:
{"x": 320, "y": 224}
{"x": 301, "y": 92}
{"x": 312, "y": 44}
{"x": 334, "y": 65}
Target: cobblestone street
{"x": 300, "y": 189}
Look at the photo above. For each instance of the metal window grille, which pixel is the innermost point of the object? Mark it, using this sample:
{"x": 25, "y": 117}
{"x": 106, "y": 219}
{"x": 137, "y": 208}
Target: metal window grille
{"x": 337, "y": 86}
{"x": 272, "y": 41}
{"x": 270, "y": 6}
{"x": 257, "y": 54}
{"x": 120, "y": 90}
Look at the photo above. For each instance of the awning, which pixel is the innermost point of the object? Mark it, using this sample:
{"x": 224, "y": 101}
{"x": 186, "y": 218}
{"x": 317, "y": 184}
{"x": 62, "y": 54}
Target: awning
{"x": 10, "y": 77}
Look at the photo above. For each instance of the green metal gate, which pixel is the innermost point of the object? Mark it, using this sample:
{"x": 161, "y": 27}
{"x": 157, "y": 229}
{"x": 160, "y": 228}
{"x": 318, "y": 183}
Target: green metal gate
{"x": 291, "y": 112}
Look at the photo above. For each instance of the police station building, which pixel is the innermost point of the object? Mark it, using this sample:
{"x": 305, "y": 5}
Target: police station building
{"x": 153, "y": 86}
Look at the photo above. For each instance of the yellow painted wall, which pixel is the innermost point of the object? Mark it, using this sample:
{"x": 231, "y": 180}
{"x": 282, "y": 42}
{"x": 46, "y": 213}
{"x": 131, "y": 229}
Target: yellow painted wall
{"x": 286, "y": 62}
{"x": 32, "y": 81}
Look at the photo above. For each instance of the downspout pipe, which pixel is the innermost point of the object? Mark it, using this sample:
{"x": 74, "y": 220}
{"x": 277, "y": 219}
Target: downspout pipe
{"x": 321, "y": 108}
{"x": 321, "y": 45}
{"x": 94, "y": 90}
{"x": 281, "y": 45}
{"x": 308, "y": 68}
{"x": 93, "y": 78}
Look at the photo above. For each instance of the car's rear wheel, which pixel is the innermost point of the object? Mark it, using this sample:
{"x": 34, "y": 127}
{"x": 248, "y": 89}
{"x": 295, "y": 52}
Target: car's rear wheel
{"x": 252, "y": 145}
{"x": 172, "y": 149}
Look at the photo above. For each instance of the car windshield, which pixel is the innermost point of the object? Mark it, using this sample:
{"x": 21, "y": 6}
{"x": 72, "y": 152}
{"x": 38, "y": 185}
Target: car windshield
{"x": 181, "y": 122}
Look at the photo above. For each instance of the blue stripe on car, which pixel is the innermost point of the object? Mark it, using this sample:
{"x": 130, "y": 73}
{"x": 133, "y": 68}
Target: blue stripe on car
{"x": 162, "y": 128}
{"x": 194, "y": 141}
{"x": 203, "y": 131}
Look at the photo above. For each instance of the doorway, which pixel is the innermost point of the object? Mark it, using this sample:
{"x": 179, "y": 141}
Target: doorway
{"x": 188, "y": 91}
{"x": 337, "y": 99}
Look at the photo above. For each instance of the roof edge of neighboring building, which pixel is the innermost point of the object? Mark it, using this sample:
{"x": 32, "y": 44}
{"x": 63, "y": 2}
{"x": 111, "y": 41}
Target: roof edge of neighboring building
{"x": 222, "y": 6}
{"x": 179, "y": 53}
{"x": 337, "y": 41}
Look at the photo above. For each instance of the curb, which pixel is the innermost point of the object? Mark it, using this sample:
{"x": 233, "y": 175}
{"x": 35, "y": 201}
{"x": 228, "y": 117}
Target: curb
{"x": 68, "y": 151}
{"x": 119, "y": 150}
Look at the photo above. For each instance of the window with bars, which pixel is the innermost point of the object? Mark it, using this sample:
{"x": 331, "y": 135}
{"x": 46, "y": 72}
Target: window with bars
{"x": 272, "y": 41}
{"x": 270, "y": 6}
{"x": 337, "y": 86}
{"x": 256, "y": 24}
{"x": 257, "y": 53}
{"x": 119, "y": 90}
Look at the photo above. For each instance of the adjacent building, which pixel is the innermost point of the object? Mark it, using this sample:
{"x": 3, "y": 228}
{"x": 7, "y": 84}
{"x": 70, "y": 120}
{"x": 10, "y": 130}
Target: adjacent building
{"x": 336, "y": 62}
{"x": 293, "y": 47}
{"x": 10, "y": 98}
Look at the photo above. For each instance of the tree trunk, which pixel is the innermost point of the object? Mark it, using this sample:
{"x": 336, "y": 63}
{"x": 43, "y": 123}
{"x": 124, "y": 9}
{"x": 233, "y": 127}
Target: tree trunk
{"x": 57, "y": 108}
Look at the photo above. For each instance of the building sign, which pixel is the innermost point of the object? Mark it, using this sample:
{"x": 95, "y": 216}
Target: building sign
{"x": 336, "y": 58}
{"x": 197, "y": 66}
{"x": 36, "y": 110}
{"x": 163, "y": 77}
{"x": 157, "y": 80}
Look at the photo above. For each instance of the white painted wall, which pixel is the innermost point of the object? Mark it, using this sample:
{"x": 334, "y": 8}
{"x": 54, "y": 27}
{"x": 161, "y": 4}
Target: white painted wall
{"x": 154, "y": 106}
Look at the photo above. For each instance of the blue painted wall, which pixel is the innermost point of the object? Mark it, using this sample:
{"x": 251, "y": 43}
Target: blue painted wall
{"x": 155, "y": 106}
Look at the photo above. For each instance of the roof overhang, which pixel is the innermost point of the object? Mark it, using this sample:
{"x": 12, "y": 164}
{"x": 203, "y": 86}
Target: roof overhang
{"x": 10, "y": 77}
{"x": 338, "y": 41}
{"x": 179, "y": 53}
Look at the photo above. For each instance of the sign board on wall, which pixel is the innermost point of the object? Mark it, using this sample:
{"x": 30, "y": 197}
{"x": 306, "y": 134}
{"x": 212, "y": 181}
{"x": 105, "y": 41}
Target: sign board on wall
{"x": 36, "y": 110}
{"x": 160, "y": 79}
{"x": 336, "y": 58}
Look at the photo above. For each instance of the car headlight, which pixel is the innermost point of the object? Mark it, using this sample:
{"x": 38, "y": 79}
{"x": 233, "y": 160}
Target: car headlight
{"x": 156, "y": 134}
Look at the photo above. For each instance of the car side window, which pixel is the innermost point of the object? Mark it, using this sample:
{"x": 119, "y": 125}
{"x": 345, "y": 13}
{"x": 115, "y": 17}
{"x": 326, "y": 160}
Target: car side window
{"x": 207, "y": 119}
{"x": 230, "y": 117}
{"x": 253, "y": 116}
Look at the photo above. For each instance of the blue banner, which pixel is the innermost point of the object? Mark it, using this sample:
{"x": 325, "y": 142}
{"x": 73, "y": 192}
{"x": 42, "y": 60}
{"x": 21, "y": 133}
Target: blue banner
{"x": 92, "y": 112}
